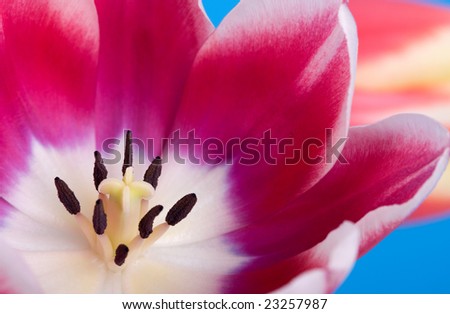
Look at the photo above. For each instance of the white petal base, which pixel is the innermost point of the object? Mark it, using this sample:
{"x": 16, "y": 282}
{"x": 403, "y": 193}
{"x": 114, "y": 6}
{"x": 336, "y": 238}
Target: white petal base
{"x": 190, "y": 257}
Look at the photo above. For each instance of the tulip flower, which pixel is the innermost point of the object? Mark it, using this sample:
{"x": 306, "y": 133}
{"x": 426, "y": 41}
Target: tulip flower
{"x": 259, "y": 215}
{"x": 404, "y": 67}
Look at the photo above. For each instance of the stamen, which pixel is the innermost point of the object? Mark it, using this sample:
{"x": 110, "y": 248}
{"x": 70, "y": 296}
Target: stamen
{"x": 146, "y": 223}
{"x": 99, "y": 220}
{"x": 86, "y": 227}
{"x": 100, "y": 172}
{"x": 67, "y": 197}
{"x": 138, "y": 244}
{"x": 128, "y": 158}
{"x": 153, "y": 172}
{"x": 181, "y": 209}
{"x": 121, "y": 254}
{"x": 119, "y": 208}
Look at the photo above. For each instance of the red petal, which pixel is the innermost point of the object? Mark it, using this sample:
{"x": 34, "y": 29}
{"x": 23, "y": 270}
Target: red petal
{"x": 333, "y": 258}
{"x": 290, "y": 75}
{"x": 146, "y": 51}
{"x": 392, "y": 166}
{"x": 48, "y": 53}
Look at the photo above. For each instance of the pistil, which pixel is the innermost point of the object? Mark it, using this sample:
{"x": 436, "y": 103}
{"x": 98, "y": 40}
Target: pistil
{"x": 123, "y": 205}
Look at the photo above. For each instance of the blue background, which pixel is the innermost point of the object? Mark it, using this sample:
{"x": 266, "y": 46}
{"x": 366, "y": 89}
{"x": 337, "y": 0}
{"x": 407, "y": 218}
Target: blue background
{"x": 413, "y": 259}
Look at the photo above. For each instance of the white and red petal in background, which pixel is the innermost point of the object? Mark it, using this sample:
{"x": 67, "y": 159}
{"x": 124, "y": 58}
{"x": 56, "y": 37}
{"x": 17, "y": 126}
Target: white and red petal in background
{"x": 404, "y": 66}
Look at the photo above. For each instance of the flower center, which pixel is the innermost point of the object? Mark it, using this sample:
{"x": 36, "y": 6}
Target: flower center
{"x": 122, "y": 223}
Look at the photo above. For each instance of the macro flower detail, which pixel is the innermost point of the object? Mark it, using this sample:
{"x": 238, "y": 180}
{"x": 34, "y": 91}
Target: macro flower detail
{"x": 250, "y": 211}
{"x": 121, "y": 206}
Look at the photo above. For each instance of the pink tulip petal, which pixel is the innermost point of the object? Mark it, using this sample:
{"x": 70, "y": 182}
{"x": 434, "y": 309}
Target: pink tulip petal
{"x": 331, "y": 261}
{"x": 336, "y": 254}
{"x": 48, "y": 59}
{"x": 308, "y": 282}
{"x": 291, "y": 75}
{"x": 392, "y": 166}
{"x": 48, "y": 52}
{"x": 146, "y": 51}
{"x": 15, "y": 276}
{"x": 5, "y": 207}
{"x": 374, "y": 106}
